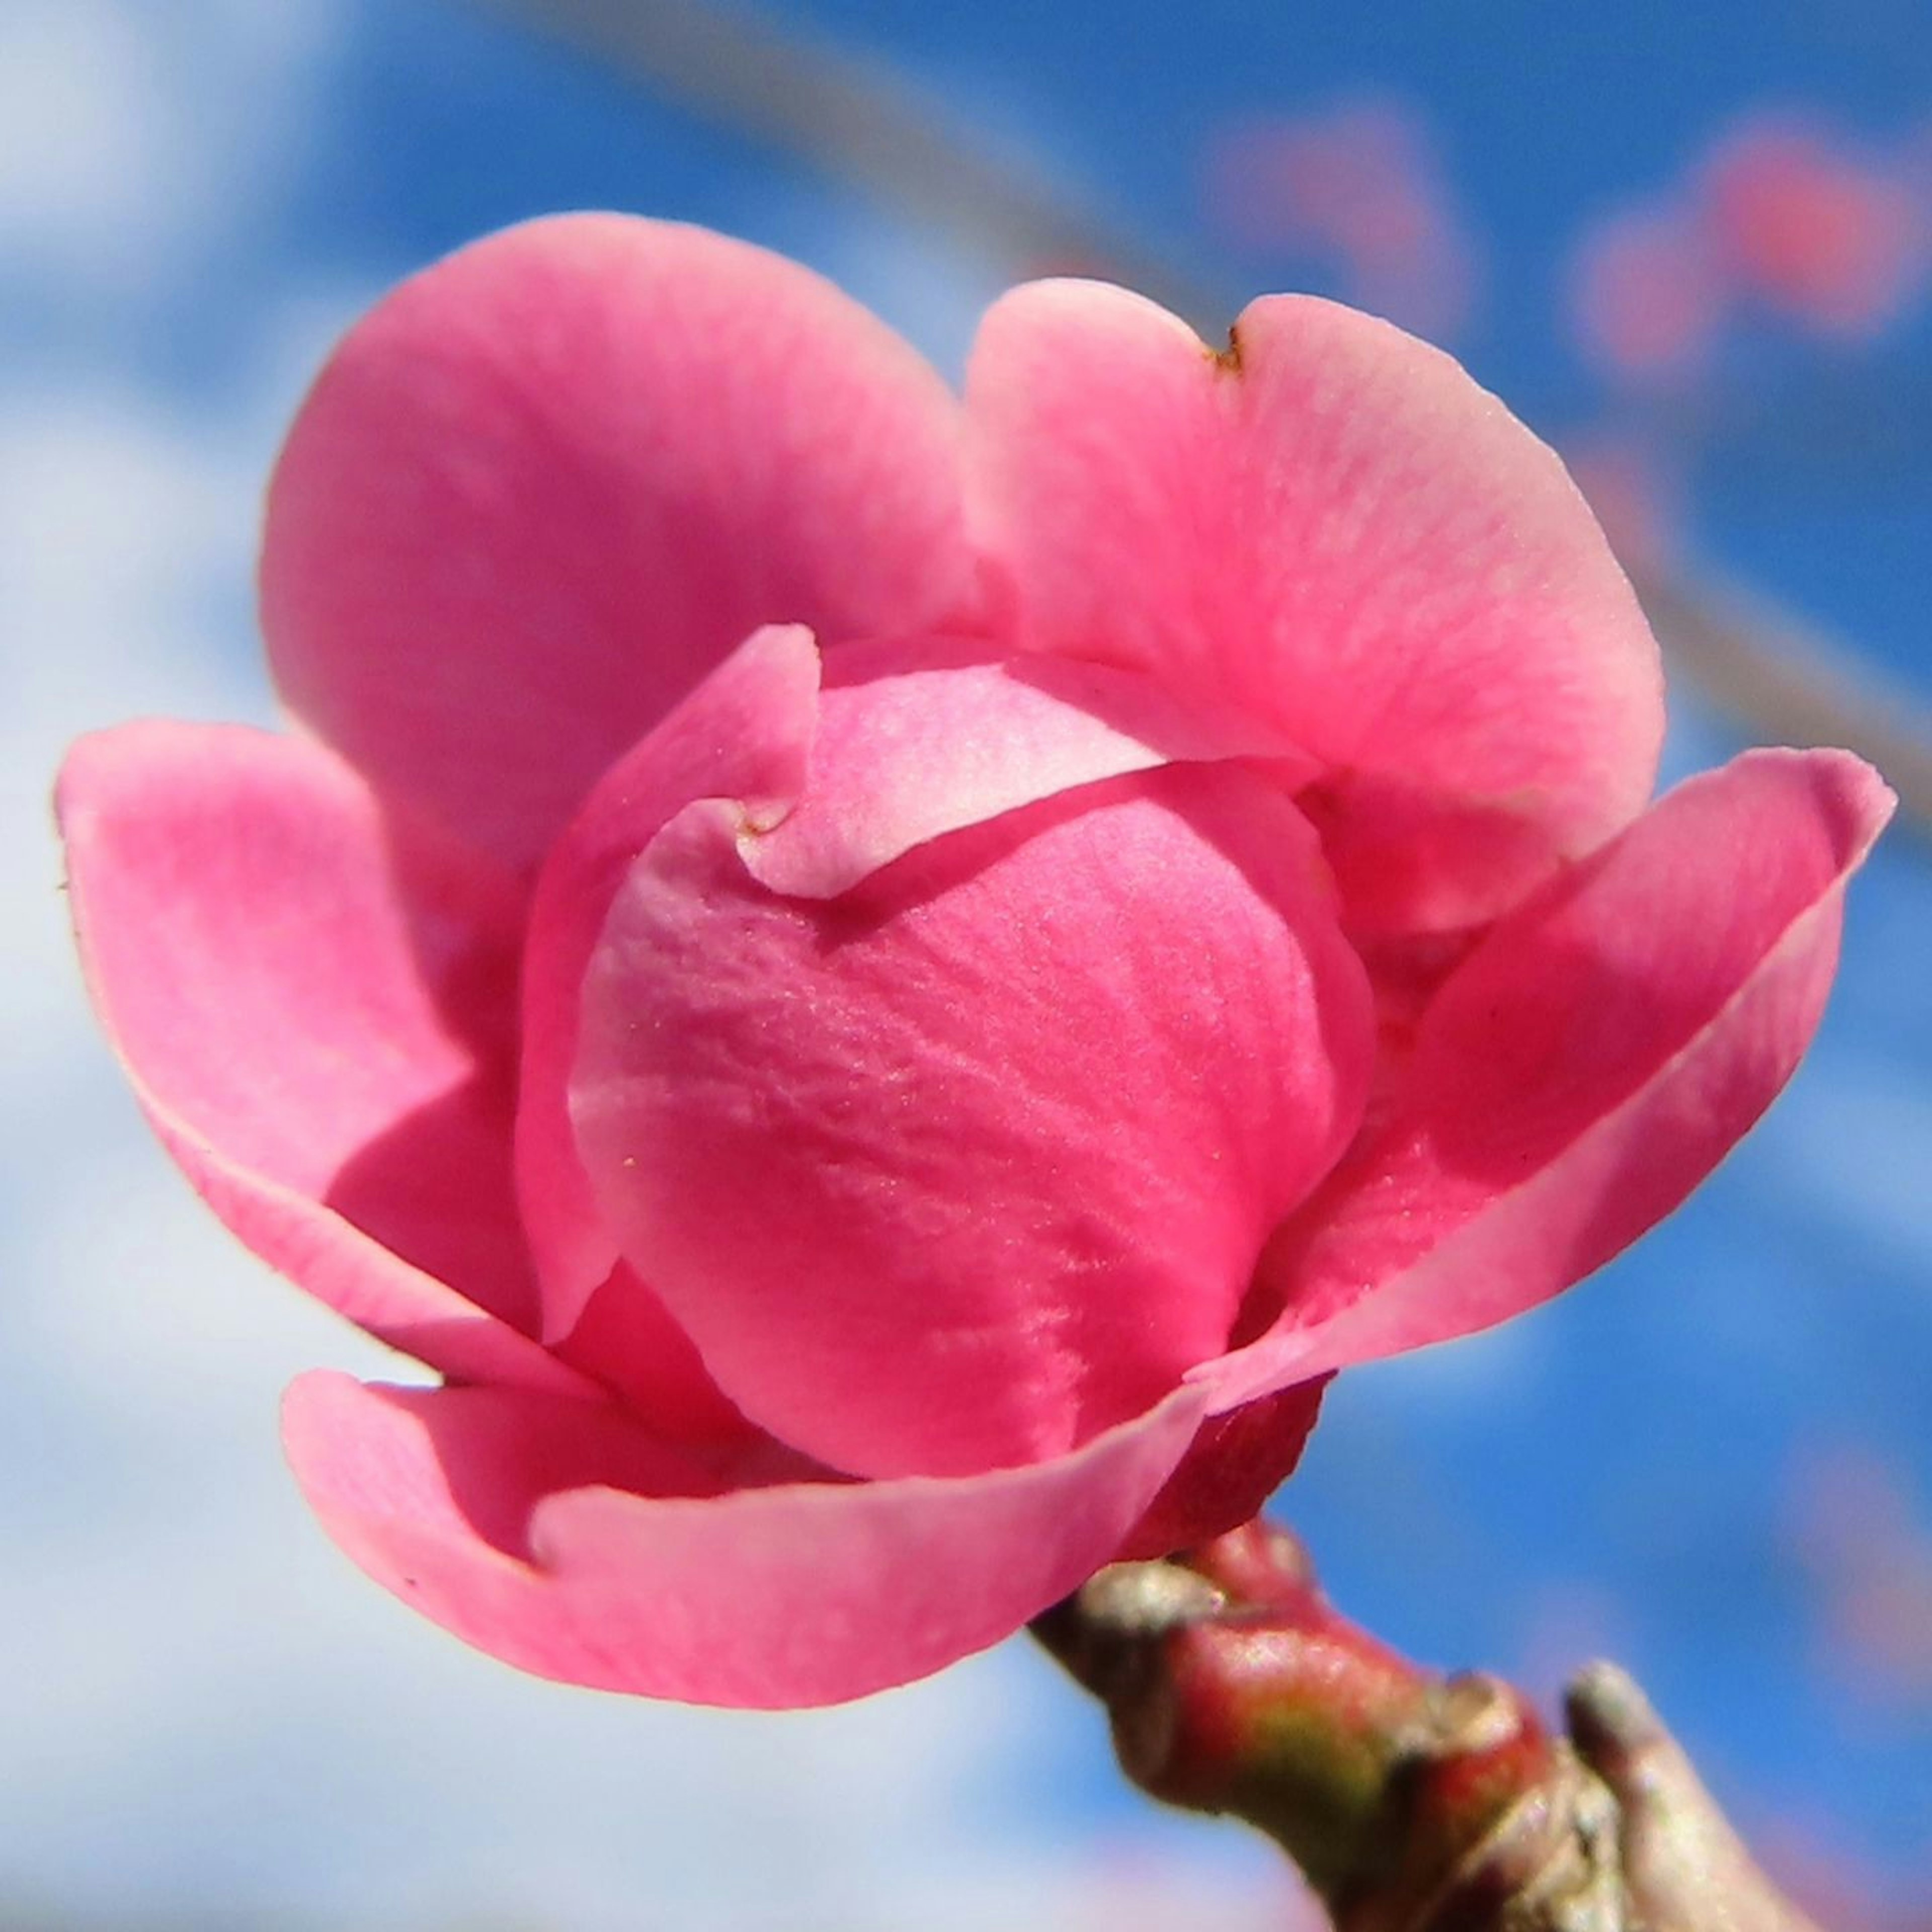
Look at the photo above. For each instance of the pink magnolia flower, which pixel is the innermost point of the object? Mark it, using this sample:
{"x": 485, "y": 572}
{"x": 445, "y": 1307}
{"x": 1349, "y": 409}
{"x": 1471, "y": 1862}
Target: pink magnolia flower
{"x": 884, "y": 989}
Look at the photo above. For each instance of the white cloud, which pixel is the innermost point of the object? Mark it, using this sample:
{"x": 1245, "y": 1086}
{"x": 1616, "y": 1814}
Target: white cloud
{"x": 129, "y": 133}
{"x": 130, "y": 540}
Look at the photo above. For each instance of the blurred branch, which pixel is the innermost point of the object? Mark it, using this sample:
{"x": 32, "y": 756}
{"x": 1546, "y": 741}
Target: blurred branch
{"x": 859, "y": 123}
{"x": 1790, "y": 684}
{"x": 1412, "y": 1802}
{"x": 863, "y": 125}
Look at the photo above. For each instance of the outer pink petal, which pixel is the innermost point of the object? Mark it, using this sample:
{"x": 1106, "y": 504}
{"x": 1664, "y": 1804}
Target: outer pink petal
{"x": 1331, "y": 526}
{"x": 1584, "y": 1069}
{"x": 467, "y": 1505}
{"x": 745, "y": 733}
{"x": 253, "y": 965}
{"x": 960, "y": 1169}
{"x": 551, "y": 482}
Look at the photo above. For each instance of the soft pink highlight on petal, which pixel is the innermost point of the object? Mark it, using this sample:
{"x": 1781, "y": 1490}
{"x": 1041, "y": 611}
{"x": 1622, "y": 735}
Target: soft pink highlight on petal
{"x": 250, "y": 958}
{"x": 468, "y": 1505}
{"x": 745, "y": 734}
{"x": 549, "y": 482}
{"x": 1582, "y": 1070}
{"x": 1013, "y": 1117}
{"x": 1333, "y": 529}
{"x": 916, "y": 740}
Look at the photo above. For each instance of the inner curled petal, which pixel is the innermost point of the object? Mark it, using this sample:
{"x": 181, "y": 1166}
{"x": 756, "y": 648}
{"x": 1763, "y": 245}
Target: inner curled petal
{"x": 962, "y": 1167}
{"x": 914, "y": 739}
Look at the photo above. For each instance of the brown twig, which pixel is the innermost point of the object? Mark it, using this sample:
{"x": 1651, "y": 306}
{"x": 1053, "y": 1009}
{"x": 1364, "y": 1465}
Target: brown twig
{"x": 1412, "y": 1801}
{"x": 1789, "y": 682}
{"x": 856, "y": 122}
{"x": 844, "y": 116}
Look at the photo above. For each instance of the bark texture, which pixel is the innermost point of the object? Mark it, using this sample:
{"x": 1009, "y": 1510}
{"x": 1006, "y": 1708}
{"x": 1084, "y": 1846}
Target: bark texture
{"x": 1412, "y": 1801}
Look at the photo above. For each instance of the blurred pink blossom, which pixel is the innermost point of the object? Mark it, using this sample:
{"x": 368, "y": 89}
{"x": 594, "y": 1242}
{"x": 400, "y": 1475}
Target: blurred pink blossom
{"x": 1809, "y": 226}
{"x": 1774, "y": 216}
{"x": 1359, "y": 184}
{"x": 1807, "y": 1857}
{"x": 1646, "y": 295}
{"x": 1857, "y": 1527}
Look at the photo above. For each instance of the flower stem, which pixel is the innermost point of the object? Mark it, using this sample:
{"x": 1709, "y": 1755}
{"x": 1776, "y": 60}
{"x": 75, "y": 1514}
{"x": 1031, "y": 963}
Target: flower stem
{"x": 1411, "y": 1800}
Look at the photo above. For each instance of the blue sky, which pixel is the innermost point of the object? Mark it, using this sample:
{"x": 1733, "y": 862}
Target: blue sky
{"x": 204, "y": 1706}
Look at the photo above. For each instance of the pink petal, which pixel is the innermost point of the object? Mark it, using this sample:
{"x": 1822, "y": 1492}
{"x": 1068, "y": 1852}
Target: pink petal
{"x": 514, "y": 1521}
{"x": 912, "y": 740}
{"x": 745, "y": 733}
{"x": 265, "y": 986}
{"x": 626, "y": 1338}
{"x": 963, "y": 1167}
{"x": 1330, "y": 526}
{"x": 548, "y": 484}
{"x": 916, "y": 740}
{"x": 1582, "y": 1070}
